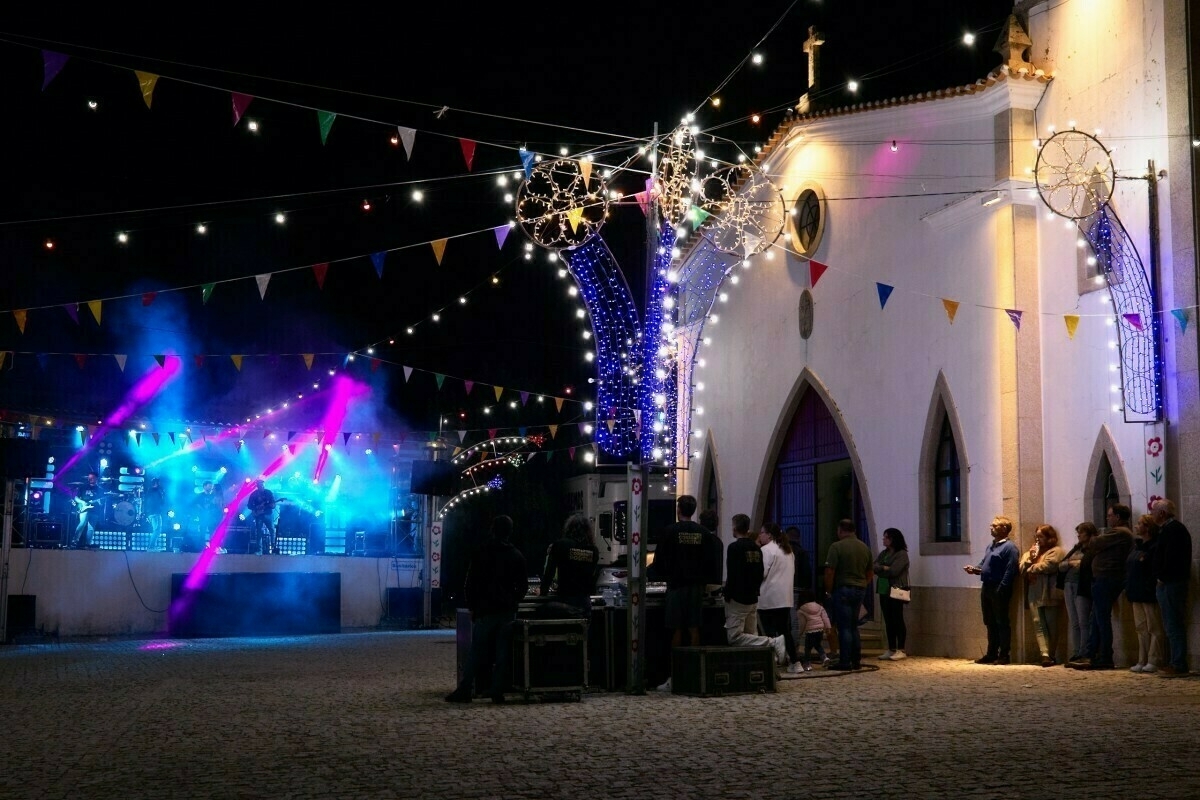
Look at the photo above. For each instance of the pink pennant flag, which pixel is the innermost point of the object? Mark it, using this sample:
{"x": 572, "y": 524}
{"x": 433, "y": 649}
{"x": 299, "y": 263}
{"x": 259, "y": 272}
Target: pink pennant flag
{"x": 1015, "y": 316}
{"x": 468, "y": 385}
{"x": 240, "y": 103}
{"x": 643, "y": 201}
{"x": 492, "y": 433}
{"x": 815, "y": 270}
{"x": 571, "y": 452}
{"x": 1134, "y": 319}
{"x": 501, "y": 234}
{"x": 468, "y": 151}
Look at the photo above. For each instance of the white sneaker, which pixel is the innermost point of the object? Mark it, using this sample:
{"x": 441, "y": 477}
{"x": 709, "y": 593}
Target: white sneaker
{"x": 1149, "y": 668}
{"x": 886, "y": 656}
{"x": 898, "y": 655}
{"x": 795, "y": 668}
{"x": 666, "y": 687}
{"x": 781, "y": 657}
{"x": 1136, "y": 667}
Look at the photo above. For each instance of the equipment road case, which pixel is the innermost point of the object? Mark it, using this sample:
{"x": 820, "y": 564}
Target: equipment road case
{"x": 709, "y": 671}
{"x": 550, "y": 657}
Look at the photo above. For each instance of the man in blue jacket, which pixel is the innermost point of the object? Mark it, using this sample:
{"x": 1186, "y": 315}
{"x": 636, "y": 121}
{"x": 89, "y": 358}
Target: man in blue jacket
{"x": 997, "y": 571}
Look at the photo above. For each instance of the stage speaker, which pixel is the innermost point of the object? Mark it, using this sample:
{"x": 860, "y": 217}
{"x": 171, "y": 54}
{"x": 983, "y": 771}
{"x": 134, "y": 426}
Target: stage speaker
{"x": 47, "y": 534}
{"x": 437, "y": 478}
{"x": 23, "y": 458}
{"x": 22, "y": 616}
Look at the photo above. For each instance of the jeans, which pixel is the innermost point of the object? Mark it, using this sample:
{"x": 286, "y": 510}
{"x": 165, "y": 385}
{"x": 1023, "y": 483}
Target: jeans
{"x": 1172, "y": 601}
{"x": 491, "y": 652}
{"x": 1045, "y": 629}
{"x": 846, "y": 602}
{"x": 893, "y": 622}
{"x": 741, "y": 624}
{"x": 1105, "y": 592}
{"x": 1079, "y": 619}
{"x": 994, "y": 602}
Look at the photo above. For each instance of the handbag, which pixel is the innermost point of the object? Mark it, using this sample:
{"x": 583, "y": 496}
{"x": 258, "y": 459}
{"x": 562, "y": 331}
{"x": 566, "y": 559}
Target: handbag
{"x": 896, "y": 593}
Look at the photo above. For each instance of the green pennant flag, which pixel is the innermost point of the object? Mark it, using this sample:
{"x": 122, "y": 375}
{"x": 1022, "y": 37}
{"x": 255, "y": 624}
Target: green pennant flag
{"x": 325, "y": 120}
{"x": 206, "y": 291}
{"x": 439, "y": 377}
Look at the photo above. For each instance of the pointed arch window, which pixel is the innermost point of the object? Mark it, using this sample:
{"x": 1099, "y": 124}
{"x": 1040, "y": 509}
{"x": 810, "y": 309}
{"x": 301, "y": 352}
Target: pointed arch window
{"x": 944, "y": 478}
{"x": 947, "y": 487}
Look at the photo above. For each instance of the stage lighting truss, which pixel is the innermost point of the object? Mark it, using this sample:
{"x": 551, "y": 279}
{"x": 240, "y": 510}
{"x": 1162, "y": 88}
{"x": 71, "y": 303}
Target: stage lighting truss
{"x": 562, "y": 204}
{"x": 746, "y": 212}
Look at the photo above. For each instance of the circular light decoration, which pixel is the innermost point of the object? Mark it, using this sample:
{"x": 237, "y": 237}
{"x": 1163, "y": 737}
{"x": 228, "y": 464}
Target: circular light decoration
{"x": 746, "y": 212}
{"x": 562, "y": 204}
{"x": 675, "y": 175}
{"x": 1074, "y": 174}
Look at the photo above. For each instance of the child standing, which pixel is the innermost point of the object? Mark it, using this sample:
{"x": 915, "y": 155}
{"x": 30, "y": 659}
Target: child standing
{"x": 815, "y": 624}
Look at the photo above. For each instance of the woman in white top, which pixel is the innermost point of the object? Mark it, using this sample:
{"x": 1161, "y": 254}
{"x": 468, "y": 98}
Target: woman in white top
{"x": 775, "y": 596}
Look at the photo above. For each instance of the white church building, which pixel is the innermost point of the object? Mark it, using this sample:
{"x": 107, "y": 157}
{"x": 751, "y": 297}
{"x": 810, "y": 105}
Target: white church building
{"x": 984, "y": 302}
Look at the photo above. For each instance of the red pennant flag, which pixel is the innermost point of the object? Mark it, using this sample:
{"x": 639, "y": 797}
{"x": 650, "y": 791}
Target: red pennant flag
{"x": 468, "y": 151}
{"x": 292, "y": 449}
{"x": 815, "y": 270}
{"x": 80, "y": 359}
{"x": 240, "y": 103}
{"x": 319, "y": 271}
{"x": 374, "y": 364}
{"x": 148, "y": 298}
{"x": 199, "y": 361}
{"x": 492, "y": 433}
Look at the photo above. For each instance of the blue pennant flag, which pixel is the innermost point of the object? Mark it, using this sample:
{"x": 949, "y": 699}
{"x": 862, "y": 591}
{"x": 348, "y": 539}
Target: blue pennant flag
{"x": 885, "y": 292}
{"x": 527, "y": 157}
{"x": 377, "y": 260}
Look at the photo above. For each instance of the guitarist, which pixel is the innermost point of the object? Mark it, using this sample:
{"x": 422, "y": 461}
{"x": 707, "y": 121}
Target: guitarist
{"x": 86, "y": 502}
{"x": 262, "y": 506}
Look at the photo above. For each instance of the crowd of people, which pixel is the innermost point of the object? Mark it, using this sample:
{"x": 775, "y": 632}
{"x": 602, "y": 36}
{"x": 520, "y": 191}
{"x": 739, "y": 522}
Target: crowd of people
{"x": 1148, "y": 561}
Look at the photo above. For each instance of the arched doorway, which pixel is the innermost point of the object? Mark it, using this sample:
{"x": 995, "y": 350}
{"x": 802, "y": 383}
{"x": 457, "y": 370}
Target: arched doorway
{"x": 813, "y": 483}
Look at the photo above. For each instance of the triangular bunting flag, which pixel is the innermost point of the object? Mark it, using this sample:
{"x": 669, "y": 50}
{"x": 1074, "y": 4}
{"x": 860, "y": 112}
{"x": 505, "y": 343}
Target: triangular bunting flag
{"x": 585, "y": 170}
{"x": 951, "y": 307}
{"x": 80, "y": 359}
{"x": 1133, "y": 319}
{"x": 308, "y": 359}
{"x": 52, "y": 64}
{"x": 610, "y": 423}
{"x": 637, "y": 417}
{"x": 120, "y": 357}
{"x": 524, "y": 400}
{"x": 237, "y": 362}
{"x": 375, "y": 362}
{"x": 155, "y": 437}
{"x": 461, "y": 436}
{"x": 94, "y": 307}
{"x": 171, "y": 436}
{"x": 437, "y": 376}
{"x": 750, "y": 244}
{"x": 43, "y": 360}
{"x": 885, "y": 292}
{"x": 206, "y": 292}
{"x": 262, "y": 281}
{"x": 815, "y": 270}
{"x": 528, "y": 157}
{"x": 148, "y": 298}
{"x": 291, "y": 435}
{"x": 643, "y": 201}
{"x": 571, "y": 453}
{"x": 558, "y": 401}
{"x": 491, "y": 435}
{"x": 501, "y": 234}
{"x": 553, "y": 431}
{"x": 1181, "y": 316}
{"x": 697, "y": 215}
{"x": 161, "y": 359}
{"x": 291, "y": 449}
{"x": 1072, "y": 321}
{"x": 468, "y": 151}
{"x": 377, "y": 259}
{"x": 19, "y": 315}
{"x": 521, "y": 431}
{"x": 1015, "y": 316}
{"x": 72, "y": 310}
{"x": 240, "y": 103}
{"x": 407, "y": 135}
{"x": 146, "y": 80}
{"x": 407, "y": 373}
{"x": 468, "y": 386}
{"x": 325, "y": 121}
{"x": 346, "y": 438}
{"x": 575, "y": 216}
{"x": 137, "y": 437}
{"x": 238, "y": 445}
{"x": 3, "y": 357}
{"x": 198, "y": 360}
{"x": 499, "y": 391}
{"x": 439, "y": 248}
{"x": 319, "y": 271}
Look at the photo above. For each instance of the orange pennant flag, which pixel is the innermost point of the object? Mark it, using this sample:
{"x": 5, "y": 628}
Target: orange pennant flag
{"x": 439, "y": 248}
{"x": 308, "y": 359}
{"x": 585, "y": 169}
{"x": 94, "y": 307}
{"x": 553, "y": 431}
{"x": 20, "y": 316}
{"x": 237, "y": 362}
{"x": 499, "y": 391}
{"x": 1072, "y": 321}
{"x": 146, "y": 80}
{"x": 951, "y": 307}
{"x": 558, "y": 401}
{"x": 3, "y": 356}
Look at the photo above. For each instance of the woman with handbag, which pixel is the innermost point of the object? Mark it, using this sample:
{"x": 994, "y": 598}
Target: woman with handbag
{"x": 891, "y": 583}
{"x": 1039, "y": 565}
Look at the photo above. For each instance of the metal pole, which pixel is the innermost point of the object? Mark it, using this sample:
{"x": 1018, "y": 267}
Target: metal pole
{"x": 5, "y": 552}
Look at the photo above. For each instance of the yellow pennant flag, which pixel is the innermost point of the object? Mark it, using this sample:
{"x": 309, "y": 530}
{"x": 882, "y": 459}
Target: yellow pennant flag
{"x": 553, "y": 431}
{"x": 237, "y": 362}
{"x": 499, "y": 391}
{"x": 20, "y": 316}
{"x": 1072, "y": 321}
{"x": 585, "y": 169}
{"x": 3, "y": 356}
{"x": 951, "y": 307}
{"x": 146, "y": 80}
{"x": 308, "y": 359}
{"x": 574, "y": 216}
{"x": 439, "y": 249}
{"x": 94, "y": 307}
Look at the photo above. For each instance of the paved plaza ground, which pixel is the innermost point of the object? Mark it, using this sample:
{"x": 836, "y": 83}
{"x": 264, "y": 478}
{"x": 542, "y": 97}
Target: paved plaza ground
{"x": 361, "y": 715}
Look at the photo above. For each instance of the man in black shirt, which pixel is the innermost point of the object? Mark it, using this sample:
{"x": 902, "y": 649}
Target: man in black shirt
{"x": 571, "y": 565}
{"x": 745, "y": 564}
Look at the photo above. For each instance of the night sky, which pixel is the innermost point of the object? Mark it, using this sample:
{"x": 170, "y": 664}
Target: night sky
{"x": 542, "y": 76}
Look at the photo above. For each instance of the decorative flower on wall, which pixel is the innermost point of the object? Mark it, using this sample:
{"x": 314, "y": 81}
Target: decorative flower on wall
{"x": 1154, "y": 447}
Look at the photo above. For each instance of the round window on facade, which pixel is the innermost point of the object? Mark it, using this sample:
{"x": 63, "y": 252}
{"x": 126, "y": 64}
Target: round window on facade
{"x": 807, "y": 220}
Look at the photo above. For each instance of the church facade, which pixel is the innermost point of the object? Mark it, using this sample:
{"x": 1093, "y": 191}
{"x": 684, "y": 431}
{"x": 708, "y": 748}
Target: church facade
{"x": 983, "y": 303}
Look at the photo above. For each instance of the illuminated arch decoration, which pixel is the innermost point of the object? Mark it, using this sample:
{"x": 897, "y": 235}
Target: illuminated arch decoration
{"x": 1075, "y": 177}
{"x": 746, "y": 211}
{"x": 676, "y": 175}
{"x": 562, "y": 204}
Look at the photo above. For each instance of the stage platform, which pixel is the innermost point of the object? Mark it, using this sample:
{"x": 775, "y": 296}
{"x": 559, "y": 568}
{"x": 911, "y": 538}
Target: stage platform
{"x": 80, "y": 593}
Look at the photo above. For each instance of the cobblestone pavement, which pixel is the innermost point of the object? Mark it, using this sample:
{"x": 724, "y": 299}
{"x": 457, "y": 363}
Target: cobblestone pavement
{"x": 361, "y": 715}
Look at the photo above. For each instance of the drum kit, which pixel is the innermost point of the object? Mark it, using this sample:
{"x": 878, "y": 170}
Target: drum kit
{"x": 121, "y": 510}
